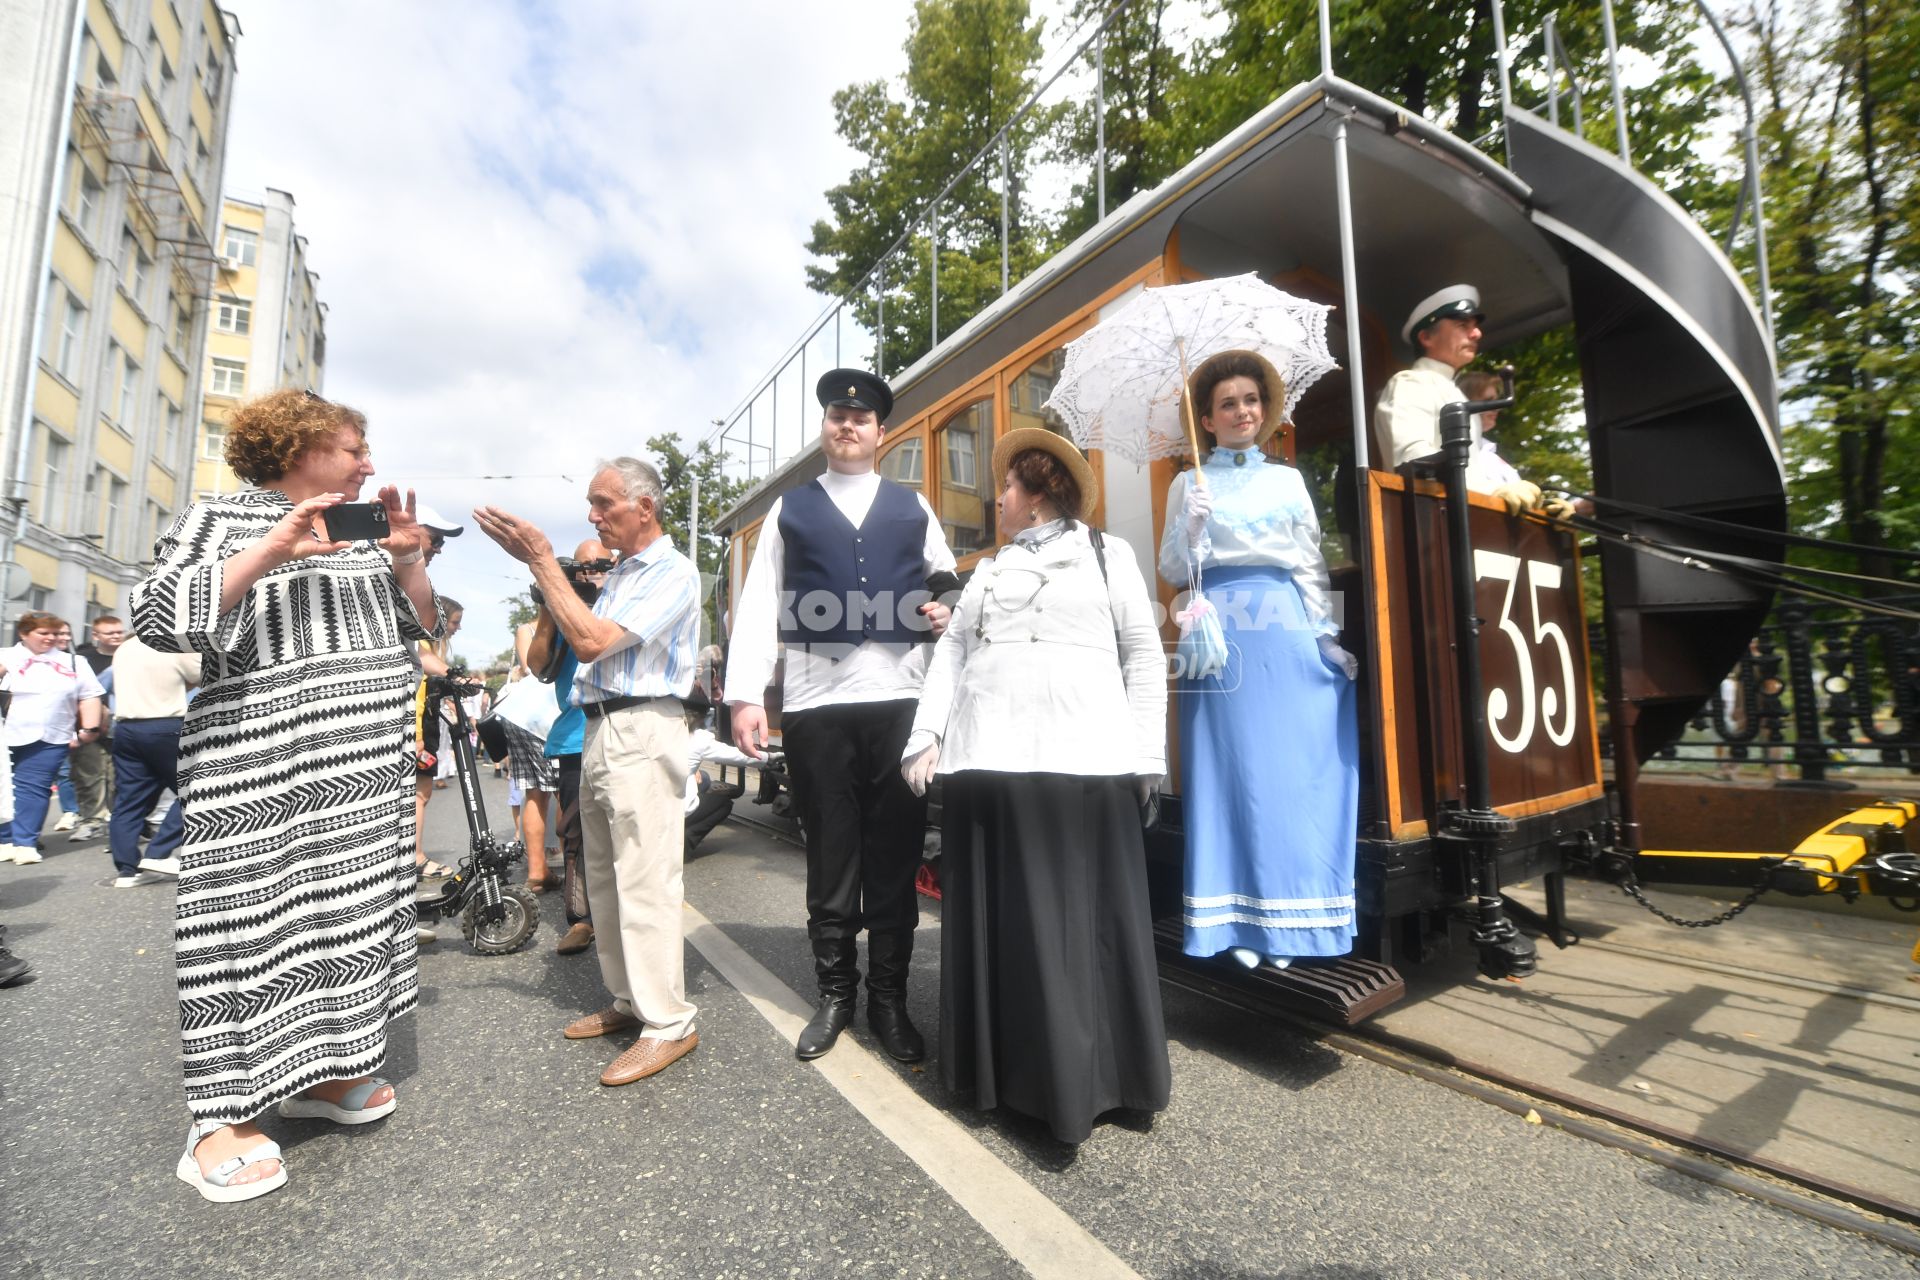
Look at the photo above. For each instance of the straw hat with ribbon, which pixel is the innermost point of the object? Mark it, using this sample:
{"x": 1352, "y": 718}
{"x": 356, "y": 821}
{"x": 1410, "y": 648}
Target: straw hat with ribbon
{"x": 1276, "y": 395}
{"x": 1019, "y": 441}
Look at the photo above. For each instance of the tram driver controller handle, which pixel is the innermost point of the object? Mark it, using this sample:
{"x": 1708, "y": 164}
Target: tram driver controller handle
{"x": 1504, "y": 951}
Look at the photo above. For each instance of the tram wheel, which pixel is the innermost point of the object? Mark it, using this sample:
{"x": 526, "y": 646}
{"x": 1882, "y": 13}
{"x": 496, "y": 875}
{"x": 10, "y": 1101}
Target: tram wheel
{"x": 520, "y": 916}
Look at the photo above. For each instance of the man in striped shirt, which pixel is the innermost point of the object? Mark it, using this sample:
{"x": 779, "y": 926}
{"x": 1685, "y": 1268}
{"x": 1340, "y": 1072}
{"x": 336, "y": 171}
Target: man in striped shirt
{"x": 636, "y": 644}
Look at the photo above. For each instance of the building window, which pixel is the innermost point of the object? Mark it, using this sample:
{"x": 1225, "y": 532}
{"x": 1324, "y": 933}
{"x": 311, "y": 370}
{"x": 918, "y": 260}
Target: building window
{"x": 906, "y": 464}
{"x": 1030, "y": 390}
{"x": 90, "y": 502}
{"x": 83, "y": 194}
{"x": 158, "y": 524}
{"x": 66, "y": 322}
{"x": 137, "y": 268}
{"x": 40, "y": 599}
{"x": 236, "y": 316}
{"x": 202, "y": 160}
{"x": 210, "y": 72}
{"x": 966, "y": 496}
{"x": 229, "y": 377}
{"x": 241, "y": 247}
{"x": 159, "y": 70}
{"x": 169, "y": 415}
{"x": 53, "y": 506}
{"x": 116, "y": 512}
{"x": 213, "y": 441}
{"x": 129, "y": 371}
{"x": 182, "y": 324}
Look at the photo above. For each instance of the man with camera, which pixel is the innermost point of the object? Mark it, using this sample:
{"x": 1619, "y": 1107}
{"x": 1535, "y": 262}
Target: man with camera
{"x": 551, "y": 658}
{"x": 636, "y": 645}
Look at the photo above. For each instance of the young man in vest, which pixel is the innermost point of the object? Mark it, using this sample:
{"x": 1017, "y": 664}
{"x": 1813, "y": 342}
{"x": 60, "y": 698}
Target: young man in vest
{"x": 840, "y": 577}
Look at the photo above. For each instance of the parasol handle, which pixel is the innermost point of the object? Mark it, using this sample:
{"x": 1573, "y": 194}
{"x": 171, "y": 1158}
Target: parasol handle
{"x": 1186, "y": 417}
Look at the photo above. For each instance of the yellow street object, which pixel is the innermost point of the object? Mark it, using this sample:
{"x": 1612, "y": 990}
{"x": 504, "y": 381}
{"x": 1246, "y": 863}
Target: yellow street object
{"x": 1835, "y": 859}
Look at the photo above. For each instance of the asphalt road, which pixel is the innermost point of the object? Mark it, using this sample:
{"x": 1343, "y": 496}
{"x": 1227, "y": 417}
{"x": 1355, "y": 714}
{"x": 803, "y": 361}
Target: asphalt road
{"x": 1279, "y": 1157}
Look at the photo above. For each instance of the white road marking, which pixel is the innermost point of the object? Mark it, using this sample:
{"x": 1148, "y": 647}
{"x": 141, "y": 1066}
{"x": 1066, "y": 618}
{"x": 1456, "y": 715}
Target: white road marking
{"x": 1033, "y": 1229}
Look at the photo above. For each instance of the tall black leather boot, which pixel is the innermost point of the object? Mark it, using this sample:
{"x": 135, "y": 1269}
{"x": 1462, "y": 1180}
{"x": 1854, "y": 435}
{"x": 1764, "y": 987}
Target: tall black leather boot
{"x": 836, "y": 963}
{"x": 887, "y": 956}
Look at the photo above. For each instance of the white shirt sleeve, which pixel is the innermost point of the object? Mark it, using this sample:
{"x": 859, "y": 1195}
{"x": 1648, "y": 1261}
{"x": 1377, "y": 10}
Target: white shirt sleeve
{"x": 1407, "y": 417}
{"x": 948, "y": 661}
{"x": 1142, "y": 659}
{"x": 937, "y": 555}
{"x": 754, "y": 648}
{"x": 1174, "y": 566}
{"x": 1310, "y": 575}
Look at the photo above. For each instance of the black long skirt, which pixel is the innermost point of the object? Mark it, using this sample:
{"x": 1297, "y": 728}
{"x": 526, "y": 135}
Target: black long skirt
{"x": 1049, "y": 991}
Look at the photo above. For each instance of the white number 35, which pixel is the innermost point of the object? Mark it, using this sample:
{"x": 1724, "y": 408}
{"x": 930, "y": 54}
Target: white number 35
{"x": 1551, "y": 702}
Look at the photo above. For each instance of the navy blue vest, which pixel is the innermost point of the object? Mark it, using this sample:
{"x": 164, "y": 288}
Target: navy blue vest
{"x": 843, "y": 585}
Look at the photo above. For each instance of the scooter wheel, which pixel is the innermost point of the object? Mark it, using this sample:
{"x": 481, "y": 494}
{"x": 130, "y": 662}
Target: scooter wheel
{"x": 512, "y": 931}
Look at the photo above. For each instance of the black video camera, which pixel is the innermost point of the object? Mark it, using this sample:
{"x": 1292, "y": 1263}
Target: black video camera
{"x": 577, "y": 572}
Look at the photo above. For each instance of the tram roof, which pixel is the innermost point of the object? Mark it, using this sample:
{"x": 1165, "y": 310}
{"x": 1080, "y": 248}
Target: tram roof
{"x": 1428, "y": 209}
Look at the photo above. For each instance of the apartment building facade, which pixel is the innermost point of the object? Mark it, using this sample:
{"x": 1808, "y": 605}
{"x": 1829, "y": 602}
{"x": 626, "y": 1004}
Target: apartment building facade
{"x": 269, "y": 324}
{"x": 113, "y": 128}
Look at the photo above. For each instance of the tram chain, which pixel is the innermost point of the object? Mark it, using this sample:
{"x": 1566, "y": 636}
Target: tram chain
{"x": 1631, "y": 888}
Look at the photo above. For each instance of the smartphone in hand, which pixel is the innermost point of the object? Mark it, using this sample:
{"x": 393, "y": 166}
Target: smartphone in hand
{"x": 356, "y": 522}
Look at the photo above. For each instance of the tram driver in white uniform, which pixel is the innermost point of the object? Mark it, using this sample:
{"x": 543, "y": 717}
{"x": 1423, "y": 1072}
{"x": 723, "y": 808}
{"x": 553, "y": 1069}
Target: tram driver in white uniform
{"x": 1445, "y": 328}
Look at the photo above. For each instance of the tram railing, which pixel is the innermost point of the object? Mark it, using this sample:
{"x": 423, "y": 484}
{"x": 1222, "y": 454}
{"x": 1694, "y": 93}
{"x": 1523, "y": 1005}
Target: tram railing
{"x": 1819, "y": 692}
{"x": 1544, "y": 63}
{"x": 749, "y": 437}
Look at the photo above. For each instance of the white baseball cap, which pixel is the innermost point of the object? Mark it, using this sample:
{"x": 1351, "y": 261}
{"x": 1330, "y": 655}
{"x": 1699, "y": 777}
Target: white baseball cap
{"x": 432, "y": 519}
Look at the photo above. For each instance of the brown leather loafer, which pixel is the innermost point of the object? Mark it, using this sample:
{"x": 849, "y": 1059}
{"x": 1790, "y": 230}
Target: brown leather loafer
{"x": 604, "y": 1023}
{"x": 575, "y": 940}
{"x": 647, "y": 1056}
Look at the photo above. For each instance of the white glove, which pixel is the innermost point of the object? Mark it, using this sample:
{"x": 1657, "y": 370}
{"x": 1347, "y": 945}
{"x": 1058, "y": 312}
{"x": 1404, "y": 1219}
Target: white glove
{"x": 1197, "y": 511}
{"x": 1519, "y": 495}
{"x": 1335, "y": 656}
{"x": 918, "y": 769}
{"x": 1145, "y": 784}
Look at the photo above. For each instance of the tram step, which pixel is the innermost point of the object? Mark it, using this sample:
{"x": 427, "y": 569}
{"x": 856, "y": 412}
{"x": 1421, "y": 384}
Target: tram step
{"x": 1344, "y": 991}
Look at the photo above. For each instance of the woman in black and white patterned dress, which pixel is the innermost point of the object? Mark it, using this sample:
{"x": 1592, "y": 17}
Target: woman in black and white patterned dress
{"x": 294, "y": 923}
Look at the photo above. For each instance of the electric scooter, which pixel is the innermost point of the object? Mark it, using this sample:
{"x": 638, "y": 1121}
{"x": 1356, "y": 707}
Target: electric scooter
{"x": 495, "y": 917}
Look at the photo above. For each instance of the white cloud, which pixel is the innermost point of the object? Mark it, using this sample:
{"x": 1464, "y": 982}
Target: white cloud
{"x": 547, "y": 233}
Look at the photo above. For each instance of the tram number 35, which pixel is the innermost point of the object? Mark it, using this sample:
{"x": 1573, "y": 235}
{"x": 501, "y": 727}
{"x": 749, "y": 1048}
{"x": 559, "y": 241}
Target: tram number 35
{"x": 1538, "y": 706}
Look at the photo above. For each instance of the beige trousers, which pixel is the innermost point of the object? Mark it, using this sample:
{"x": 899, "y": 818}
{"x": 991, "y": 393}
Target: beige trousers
{"x": 633, "y": 778}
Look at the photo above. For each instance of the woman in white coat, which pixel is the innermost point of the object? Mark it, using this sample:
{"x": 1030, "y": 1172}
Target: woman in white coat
{"x": 1044, "y": 712}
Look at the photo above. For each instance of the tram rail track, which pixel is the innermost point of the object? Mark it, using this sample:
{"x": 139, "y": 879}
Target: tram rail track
{"x": 1833, "y": 1203}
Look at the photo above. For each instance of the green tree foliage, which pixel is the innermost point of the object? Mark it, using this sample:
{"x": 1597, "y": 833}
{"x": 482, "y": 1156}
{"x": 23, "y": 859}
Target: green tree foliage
{"x": 717, "y": 494}
{"x": 970, "y": 65}
{"x": 1149, "y": 133}
{"x": 1840, "y": 89}
{"x": 519, "y": 610}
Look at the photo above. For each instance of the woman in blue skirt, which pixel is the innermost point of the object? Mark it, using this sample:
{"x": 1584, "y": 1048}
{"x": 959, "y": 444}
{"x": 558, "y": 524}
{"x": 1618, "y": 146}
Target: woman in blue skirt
{"x": 1269, "y": 746}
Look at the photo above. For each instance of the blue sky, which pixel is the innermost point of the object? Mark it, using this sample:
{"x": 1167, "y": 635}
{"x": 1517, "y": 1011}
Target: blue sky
{"x": 549, "y": 232}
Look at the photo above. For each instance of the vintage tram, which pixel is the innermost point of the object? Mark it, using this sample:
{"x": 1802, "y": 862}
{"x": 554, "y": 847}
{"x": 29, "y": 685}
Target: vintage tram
{"x": 1482, "y": 761}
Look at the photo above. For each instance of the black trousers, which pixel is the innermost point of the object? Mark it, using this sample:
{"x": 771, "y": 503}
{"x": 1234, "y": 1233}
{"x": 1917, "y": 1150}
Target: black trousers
{"x": 864, "y": 825}
{"x": 714, "y": 806}
{"x": 573, "y": 876}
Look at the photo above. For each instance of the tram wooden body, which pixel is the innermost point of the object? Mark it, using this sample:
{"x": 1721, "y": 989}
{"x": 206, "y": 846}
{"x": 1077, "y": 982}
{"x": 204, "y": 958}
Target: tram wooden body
{"x": 1679, "y": 390}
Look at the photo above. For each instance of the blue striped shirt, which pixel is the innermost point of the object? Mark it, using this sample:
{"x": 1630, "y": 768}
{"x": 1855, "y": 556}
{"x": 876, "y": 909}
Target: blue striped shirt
{"x": 655, "y": 597}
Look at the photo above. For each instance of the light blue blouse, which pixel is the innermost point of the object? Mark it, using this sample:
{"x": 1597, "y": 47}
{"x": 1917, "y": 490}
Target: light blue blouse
{"x": 1262, "y": 515}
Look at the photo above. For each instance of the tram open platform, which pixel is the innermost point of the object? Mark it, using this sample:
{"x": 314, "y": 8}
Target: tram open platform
{"x": 1280, "y": 1156}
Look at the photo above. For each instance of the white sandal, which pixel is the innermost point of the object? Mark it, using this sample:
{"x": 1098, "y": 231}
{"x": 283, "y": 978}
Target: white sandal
{"x": 219, "y": 1186}
{"x": 351, "y": 1109}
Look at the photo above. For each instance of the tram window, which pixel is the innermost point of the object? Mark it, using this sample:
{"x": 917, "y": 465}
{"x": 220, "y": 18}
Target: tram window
{"x": 966, "y": 491}
{"x": 905, "y": 464}
{"x": 1030, "y": 390}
